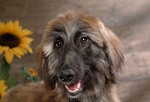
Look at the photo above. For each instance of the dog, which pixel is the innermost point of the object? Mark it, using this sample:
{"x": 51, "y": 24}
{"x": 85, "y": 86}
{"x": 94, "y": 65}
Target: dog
{"x": 80, "y": 62}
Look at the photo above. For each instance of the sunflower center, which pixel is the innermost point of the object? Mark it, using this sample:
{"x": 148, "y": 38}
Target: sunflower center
{"x": 8, "y": 39}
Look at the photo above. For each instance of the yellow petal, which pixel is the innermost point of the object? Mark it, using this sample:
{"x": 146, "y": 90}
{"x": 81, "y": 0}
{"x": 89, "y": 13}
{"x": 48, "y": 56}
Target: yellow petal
{"x": 5, "y": 48}
{"x": 26, "y": 40}
{"x": 9, "y": 56}
{"x": 2, "y": 28}
{"x": 2, "y": 82}
{"x": 27, "y": 47}
{"x": 10, "y": 26}
{"x": 32, "y": 72}
{"x": 16, "y": 24}
{"x": 23, "y": 50}
{"x": 3, "y": 88}
{"x": 1, "y": 49}
{"x": 18, "y": 51}
{"x": 18, "y": 55}
{"x": 25, "y": 32}
{"x": 17, "y": 29}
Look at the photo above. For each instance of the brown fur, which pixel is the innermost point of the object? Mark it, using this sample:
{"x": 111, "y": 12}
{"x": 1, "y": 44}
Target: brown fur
{"x": 105, "y": 62}
{"x": 33, "y": 92}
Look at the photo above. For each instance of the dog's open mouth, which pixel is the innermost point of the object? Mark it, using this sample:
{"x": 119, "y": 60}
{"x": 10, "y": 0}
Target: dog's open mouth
{"x": 74, "y": 88}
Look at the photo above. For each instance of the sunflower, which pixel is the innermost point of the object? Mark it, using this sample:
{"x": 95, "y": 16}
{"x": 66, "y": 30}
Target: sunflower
{"x": 32, "y": 72}
{"x": 3, "y": 88}
{"x": 14, "y": 40}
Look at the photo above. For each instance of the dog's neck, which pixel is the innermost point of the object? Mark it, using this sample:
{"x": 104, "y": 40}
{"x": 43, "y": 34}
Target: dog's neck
{"x": 109, "y": 96}
{"x": 93, "y": 98}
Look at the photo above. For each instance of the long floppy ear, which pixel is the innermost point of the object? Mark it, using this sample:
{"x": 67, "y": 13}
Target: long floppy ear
{"x": 113, "y": 49}
{"x": 49, "y": 81}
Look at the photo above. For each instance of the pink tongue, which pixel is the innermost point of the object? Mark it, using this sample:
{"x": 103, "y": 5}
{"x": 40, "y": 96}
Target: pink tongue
{"x": 73, "y": 87}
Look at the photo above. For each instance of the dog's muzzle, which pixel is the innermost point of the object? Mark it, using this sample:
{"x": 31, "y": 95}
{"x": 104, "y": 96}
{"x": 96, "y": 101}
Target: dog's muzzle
{"x": 67, "y": 77}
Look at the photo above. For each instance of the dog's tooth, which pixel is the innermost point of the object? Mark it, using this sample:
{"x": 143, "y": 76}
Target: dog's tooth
{"x": 79, "y": 84}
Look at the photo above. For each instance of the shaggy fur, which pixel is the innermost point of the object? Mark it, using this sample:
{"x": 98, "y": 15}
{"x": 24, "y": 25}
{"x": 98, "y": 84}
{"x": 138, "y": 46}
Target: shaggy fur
{"x": 75, "y": 49}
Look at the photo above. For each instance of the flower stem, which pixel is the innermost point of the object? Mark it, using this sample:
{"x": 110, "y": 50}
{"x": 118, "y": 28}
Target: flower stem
{"x": 4, "y": 69}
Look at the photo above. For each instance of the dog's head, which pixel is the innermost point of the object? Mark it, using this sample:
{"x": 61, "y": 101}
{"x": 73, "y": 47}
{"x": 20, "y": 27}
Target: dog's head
{"x": 79, "y": 55}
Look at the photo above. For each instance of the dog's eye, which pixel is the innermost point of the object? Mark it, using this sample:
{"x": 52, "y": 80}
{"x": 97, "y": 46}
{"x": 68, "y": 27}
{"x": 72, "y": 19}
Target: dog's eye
{"x": 84, "y": 40}
{"x": 58, "y": 44}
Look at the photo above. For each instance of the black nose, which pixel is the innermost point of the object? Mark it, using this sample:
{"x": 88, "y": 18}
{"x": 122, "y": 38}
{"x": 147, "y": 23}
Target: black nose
{"x": 66, "y": 75}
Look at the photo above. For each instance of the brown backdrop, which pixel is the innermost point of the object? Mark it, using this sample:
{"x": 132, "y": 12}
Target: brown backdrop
{"x": 129, "y": 19}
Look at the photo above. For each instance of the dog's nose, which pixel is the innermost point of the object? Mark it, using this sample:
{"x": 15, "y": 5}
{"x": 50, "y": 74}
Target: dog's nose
{"x": 66, "y": 75}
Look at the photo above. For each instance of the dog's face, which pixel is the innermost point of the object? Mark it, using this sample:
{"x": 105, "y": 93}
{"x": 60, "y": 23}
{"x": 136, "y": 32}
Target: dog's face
{"x": 79, "y": 55}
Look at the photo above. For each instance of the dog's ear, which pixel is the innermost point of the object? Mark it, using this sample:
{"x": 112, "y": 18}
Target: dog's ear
{"x": 113, "y": 49}
{"x": 49, "y": 81}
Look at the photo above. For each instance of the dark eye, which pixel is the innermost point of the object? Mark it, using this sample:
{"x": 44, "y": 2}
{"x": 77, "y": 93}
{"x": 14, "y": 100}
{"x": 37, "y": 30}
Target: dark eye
{"x": 84, "y": 40}
{"x": 58, "y": 44}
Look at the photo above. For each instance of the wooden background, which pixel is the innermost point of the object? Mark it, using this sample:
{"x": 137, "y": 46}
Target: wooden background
{"x": 129, "y": 19}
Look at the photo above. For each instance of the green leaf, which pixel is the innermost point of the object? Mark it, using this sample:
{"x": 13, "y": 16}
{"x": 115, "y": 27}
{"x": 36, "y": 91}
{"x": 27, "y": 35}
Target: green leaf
{"x": 11, "y": 82}
{"x": 25, "y": 72}
{"x": 35, "y": 79}
{"x": 4, "y": 69}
